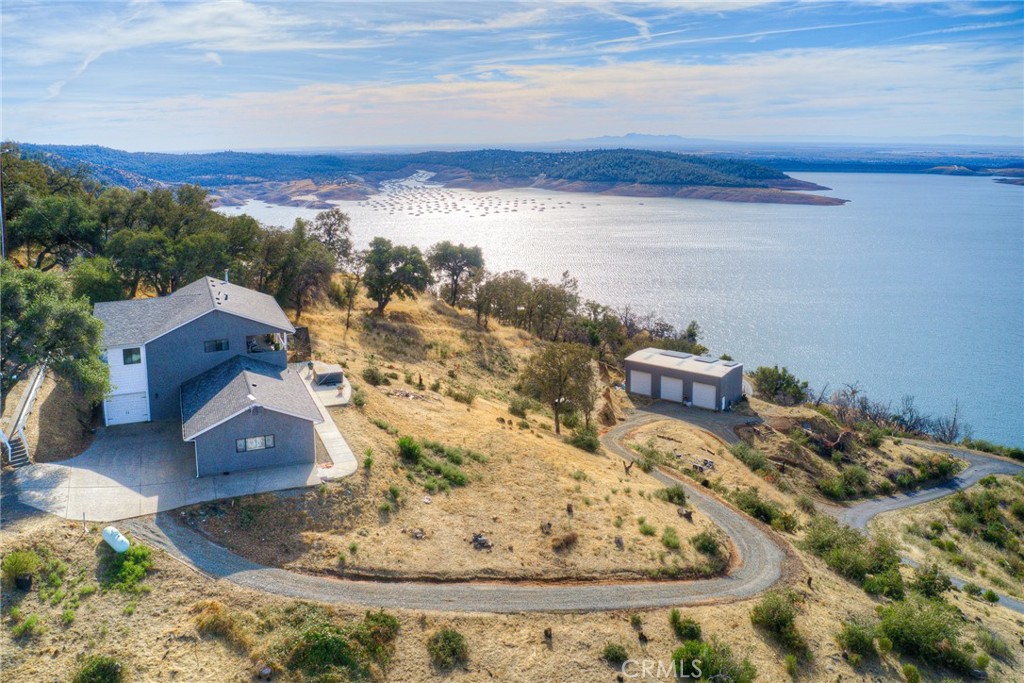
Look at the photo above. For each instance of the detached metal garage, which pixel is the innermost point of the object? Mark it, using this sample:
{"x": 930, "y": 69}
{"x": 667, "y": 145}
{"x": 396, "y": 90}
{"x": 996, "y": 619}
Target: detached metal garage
{"x": 684, "y": 378}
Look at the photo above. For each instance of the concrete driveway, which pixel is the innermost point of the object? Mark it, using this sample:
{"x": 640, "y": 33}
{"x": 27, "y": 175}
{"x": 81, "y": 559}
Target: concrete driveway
{"x": 140, "y": 469}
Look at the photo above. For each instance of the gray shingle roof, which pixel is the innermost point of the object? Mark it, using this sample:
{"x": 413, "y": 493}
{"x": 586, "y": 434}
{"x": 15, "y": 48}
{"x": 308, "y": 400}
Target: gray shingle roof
{"x": 223, "y": 391}
{"x": 138, "y": 321}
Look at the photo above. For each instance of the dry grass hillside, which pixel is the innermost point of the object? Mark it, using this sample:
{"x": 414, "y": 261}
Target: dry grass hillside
{"x": 389, "y": 520}
{"x": 176, "y": 625}
{"x": 977, "y": 535}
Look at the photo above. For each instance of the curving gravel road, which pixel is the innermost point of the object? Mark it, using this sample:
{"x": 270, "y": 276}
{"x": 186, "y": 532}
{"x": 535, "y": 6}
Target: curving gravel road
{"x": 760, "y": 558}
{"x": 760, "y": 567}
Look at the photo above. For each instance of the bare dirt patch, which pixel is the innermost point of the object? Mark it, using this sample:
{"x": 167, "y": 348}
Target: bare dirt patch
{"x": 60, "y": 424}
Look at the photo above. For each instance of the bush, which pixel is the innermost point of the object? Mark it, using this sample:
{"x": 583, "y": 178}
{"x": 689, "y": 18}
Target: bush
{"x": 376, "y": 634}
{"x": 857, "y": 636}
{"x": 99, "y": 669}
{"x": 322, "y": 648}
{"x": 28, "y": 628}
{"x": 647, "y": 529}
{"x": 125, "y": 571}
{"x": 972, "y": 589}
{"x": 911, "y": 673}
{"x": 990, "y": 596}
{"x": 888, "y": 583}
{"x": 871, "y": 563}
{"x": 518, "y": 406}
{"x": 447, "y": 648}
{"x": 214, "y": 618}
{"x": 615, "y": 654}
{"x": 19, "y": 563}
{"x": 923, "y": 628}
{"x": 930, "y": 581}
{"x": 776, "y": 613}
{"x": 779, "y": 386}
{"x": 684, "y": 629}
{"x": 789, "y": 661}
{"x": 374, "y": 377}
{"x": 670, "y": 539}
{"x": 751, "y": 457}
{"x": 806, "y": 504}
{"x": 715, "y": 661}
{"x": 359, "y": 398}
{"x": 673, "y": 494}
{"x": 995, "y": 646}
{"x": 410, "y": 450}
{"x": 706, "y": 543}
{"x": 586, "y": 439}
{"x": 769, "y": 512}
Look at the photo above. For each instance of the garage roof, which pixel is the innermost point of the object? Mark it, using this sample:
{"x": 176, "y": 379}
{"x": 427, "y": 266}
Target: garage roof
{"x": 236, "y": 385}
{"x": 686, "y": 362}
{"x": 138, "y": 321}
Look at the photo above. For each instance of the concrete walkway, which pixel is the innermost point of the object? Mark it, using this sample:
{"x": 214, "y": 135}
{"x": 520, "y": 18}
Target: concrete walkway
{"x": 342, "y": 458}
{"x": 140, "y": 469}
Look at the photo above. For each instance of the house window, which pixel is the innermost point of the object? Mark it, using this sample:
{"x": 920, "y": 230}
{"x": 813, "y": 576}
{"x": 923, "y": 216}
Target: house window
{"x": 254, "y": 443}
{"x": 132, "y": 356}
{"x": 215, "y": 345}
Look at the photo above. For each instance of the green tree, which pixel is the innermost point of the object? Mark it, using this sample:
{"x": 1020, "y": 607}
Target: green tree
{"x": 779, "y": 385}
{"x": 560, "y": 375}
{"x": 455, "y": 263}
{"x": 95, "y": 279}
{"x": 60, "y": 227}
{"x": 140, "y": 256}
{"x": 394, "y": 270}
{"x": 308, "y": 269}
{"x": 333, "y": 229}
{"x": 41, "y": 322}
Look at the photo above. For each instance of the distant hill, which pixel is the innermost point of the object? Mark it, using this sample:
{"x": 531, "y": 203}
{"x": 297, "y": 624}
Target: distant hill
{"x": 614, "y": 171}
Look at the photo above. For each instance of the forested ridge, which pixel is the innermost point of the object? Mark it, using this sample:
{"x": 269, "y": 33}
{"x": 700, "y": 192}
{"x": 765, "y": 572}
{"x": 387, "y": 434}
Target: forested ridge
{"x": 137, "y": 169}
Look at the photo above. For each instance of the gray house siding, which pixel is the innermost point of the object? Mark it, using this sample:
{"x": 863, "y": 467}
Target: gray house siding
{"x": 293, "y": 443}
{"x": 730, "y": 386}
{"x": 179, "y": 355}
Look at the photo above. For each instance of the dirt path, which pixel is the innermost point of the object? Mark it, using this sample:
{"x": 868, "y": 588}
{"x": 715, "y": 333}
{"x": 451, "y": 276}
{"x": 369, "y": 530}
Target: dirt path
{"x": 760, "y": 558}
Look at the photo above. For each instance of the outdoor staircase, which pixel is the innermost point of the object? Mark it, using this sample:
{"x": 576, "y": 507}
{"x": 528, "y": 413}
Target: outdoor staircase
{"x": 19, "y": 452}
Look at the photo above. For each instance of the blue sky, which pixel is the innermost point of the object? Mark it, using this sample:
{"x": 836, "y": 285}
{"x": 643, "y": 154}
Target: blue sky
{"x": 175, "y": 75}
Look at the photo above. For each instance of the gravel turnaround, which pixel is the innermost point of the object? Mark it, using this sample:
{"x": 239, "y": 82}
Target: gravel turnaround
{"x": 759, "y": 567}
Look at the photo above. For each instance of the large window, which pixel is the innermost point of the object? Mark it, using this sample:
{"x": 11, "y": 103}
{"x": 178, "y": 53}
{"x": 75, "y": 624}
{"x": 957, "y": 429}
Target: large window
{"x": 132, "y": 356}
{"x": 215, "y": 345}
{"x": 254, "y": 443}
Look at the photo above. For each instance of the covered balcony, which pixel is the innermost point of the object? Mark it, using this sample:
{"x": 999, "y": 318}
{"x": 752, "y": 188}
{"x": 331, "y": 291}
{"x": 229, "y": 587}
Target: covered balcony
{"x": 272, "y": 348}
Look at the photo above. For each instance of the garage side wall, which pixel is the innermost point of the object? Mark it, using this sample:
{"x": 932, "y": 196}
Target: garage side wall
{"x": 732, "y": 385}
{"x": 293, "y": 443}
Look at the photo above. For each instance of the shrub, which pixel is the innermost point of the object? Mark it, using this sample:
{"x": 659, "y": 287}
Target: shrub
{"x": 376, "y": 634}
{"x": 930, "y": 581}
{"x": 911, "y": 673}
{"x": 447, "y": 648}
{"x": 585, "y": 438}
{"x": 673, "y": 494}
{"x": 359, "y": 398}
{"x": 715, "y": 661}
{"x": 751, "y": 457}
{"x": 322, "y": 648}
{"x": 751, "y": 502}
{"x": 706, "y": 543}
{"x": 19, "y": 563}
{"x": 125, "y": 571}
{"x": 647, "y": 529}
{"x": 466, "y": 396}
{"x": 410, "y": 450}
{"x": 518, "y": 406}
{"x": 995, "y": 646}
{"x": 789, "y": 661}
{"x": 888, "y": 583}
{"x": 806, "y": 504}
{"x": 670, "y": 539}
{"x": 923, "y": 628}
{"x": 857, "y": 636}
{"x": 636, "y": 621}
{"x": 564, "y": 542}
{"x": 373, "y": 376}
{"x": 779, "y": 385}
{"x": 214, "y": 618}
{"x": 99, "y": 669}
{"x": 990, "y": 596}
{"x": 972, "y": 589}
{"x": 684, "y": 629}
{"x": 28, "y": 628}
{"x": 615, "y": 654}
{"x": 776, "y": 613}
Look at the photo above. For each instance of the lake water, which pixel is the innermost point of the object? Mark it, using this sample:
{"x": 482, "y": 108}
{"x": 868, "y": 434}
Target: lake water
{"x": 916, "y": 286}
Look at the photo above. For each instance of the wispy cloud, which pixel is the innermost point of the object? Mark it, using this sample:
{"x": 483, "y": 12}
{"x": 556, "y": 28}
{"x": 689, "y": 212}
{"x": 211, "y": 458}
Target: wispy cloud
{"x": 511, "y": 20}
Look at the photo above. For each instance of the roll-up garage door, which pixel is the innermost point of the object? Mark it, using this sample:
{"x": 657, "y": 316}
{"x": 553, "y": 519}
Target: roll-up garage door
{"x": 704, "y": 395}
{"x": 640, "y": 382}
{"x": 672, "y": 389}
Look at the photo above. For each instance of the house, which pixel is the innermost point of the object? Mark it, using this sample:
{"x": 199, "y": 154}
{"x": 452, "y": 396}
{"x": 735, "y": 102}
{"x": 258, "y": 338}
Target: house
{"x": 213, "y": 355}
{"x": 684, "y": 378}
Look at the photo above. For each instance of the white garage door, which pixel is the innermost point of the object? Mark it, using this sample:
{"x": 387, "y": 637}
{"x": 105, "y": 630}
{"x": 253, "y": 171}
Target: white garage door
{"x": 640, "y": 382}
{"x": 704, "y": 395}
{"x": 125, "y": 408}
{"x": 672, "y": 389}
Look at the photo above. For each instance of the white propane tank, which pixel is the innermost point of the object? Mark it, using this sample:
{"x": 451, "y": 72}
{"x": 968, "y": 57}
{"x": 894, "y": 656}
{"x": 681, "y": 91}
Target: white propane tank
{"x": 115, "y": 539}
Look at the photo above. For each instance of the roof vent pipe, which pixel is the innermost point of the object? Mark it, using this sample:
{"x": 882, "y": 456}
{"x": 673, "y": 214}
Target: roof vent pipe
{"x": 226, "y": 275}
